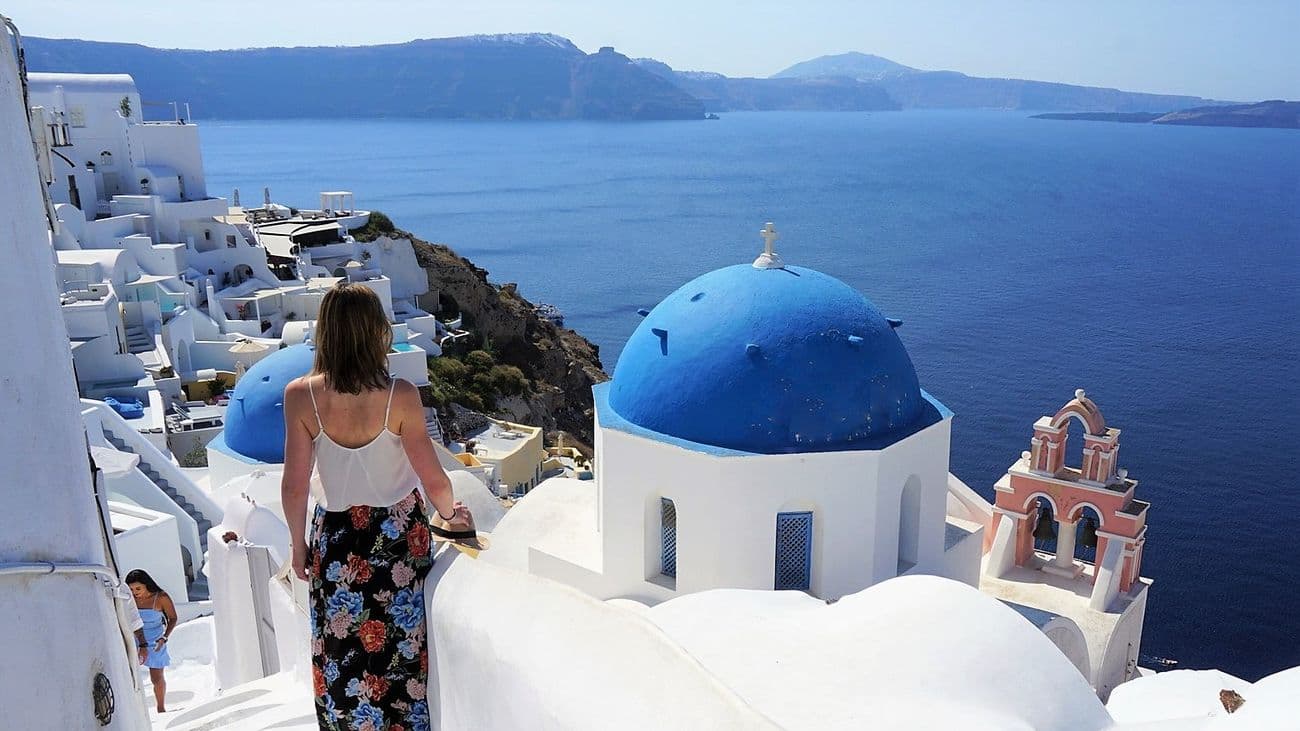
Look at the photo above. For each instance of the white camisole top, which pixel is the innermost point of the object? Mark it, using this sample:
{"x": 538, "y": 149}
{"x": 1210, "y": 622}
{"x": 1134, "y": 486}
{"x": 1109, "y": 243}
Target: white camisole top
{"x": 377, "y": 473}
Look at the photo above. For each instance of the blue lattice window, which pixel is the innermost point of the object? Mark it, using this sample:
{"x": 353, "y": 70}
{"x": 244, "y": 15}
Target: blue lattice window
{"x": 667, "y": 537}
{"x": 793, "y": 550}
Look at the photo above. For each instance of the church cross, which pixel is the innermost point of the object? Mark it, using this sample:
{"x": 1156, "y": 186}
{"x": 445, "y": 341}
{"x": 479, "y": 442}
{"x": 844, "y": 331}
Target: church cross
{"x": 770, "y": 236}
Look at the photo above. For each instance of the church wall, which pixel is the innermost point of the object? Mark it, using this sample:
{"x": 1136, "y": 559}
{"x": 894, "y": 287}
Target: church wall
{"x": 727, "y": 505}
{"x": 1114, "y": 667}
{"x": 925, "y": 456}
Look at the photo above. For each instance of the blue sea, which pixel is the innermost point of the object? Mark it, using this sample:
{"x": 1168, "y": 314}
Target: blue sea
{"x": 1157, "y": 267}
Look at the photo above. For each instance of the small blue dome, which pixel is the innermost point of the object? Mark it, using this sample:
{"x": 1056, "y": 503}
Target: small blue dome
{"x": 768, "y": 361}
{"x": 255, "y": 416}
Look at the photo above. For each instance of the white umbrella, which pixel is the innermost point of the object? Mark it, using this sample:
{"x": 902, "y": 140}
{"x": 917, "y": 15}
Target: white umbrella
{"x": 244, "y": 345}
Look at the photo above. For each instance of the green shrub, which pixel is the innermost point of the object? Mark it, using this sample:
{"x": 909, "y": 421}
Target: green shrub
{"x": 437, "y": 395}
{"x": 378, "y": 225}
{"x": 470, "y": 400}
{"x": 196, "y": 457}
{"x": 482, "y": 385}
{"x": 508, "y": 380}
{"x": 449, "y": 369}
{"x": 480, "y": 361}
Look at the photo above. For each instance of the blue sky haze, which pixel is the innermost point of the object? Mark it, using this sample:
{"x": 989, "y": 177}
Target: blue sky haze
{"x": 1225, "y": 50}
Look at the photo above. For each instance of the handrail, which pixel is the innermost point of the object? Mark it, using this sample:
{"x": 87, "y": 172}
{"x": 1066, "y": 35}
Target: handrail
{"x": 55, "y": 567}
{"x": 973, "y": 502}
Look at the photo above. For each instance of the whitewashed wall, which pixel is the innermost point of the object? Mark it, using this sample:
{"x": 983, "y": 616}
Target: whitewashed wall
{"x": 174, "y": 146}
{"x": 152, "y": 547}
{"x": 67, "y": 622}
{"x": 727, "y": 507}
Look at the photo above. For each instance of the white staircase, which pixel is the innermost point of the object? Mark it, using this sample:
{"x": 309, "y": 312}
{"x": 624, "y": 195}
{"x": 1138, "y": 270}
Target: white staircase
{"x": 167, "y": 477}
{"x": 138, "y": 340}
{"x": 432, "y": 426}
{"x": 148, "y": 469}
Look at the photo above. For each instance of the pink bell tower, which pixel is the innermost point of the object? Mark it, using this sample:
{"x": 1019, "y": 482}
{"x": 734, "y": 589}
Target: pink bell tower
{"x": 1098, "y": 484}
{"x": 1092, "y": 610}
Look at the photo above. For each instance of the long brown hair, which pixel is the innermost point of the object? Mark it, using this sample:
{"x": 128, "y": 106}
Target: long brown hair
{"x": 352, "y": 339}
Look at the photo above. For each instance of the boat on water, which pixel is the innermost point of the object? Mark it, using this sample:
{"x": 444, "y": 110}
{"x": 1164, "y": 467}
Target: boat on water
{"x": 550, "y": 313}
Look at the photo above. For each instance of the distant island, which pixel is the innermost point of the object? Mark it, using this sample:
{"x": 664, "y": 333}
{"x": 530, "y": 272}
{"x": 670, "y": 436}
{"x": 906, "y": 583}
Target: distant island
{"x": 545, "y": 76}
{"x": 914, "y": 88}
{"x": 1274, "y": 113}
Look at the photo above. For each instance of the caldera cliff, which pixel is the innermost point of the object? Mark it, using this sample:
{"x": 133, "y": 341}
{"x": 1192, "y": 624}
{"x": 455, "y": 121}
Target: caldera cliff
{"x": 558, "y": 366}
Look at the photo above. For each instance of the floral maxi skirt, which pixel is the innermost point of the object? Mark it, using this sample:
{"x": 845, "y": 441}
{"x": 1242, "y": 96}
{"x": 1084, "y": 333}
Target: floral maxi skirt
{"x": 369, "y": 658}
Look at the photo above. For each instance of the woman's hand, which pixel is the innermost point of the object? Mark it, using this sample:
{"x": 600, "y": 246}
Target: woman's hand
{"x": 158, "y": 646}
{"x": 300, "y": 561}
{"x": 143, "y": 653}
{"x": 461, "y": 518}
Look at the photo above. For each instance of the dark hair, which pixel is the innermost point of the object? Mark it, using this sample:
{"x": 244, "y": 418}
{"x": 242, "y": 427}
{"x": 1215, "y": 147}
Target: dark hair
{"x": 140, "y": 576}
{"x": 352, "y": 339}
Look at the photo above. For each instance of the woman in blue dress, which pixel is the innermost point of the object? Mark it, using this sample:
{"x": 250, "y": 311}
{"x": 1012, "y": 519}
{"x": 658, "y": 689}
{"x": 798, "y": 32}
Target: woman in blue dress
{"x": 159, "y": 616}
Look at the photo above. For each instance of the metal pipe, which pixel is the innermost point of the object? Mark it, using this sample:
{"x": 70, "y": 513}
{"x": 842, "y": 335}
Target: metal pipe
{"x": 53, "y": 567}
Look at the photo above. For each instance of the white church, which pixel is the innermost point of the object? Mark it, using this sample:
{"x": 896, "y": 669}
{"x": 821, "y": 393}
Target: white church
{"x": 764, "y": 429}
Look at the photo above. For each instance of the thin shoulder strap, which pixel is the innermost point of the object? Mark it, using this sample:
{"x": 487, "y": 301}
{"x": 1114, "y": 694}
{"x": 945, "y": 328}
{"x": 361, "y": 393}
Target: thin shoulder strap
{"x": 314, "y": 408}
{"x": 392, "y": 384}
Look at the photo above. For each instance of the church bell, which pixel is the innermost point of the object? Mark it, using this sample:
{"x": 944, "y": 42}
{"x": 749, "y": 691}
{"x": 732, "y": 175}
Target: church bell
{"x": 1044, "y": 530}
{"x": 1089, "y": 536}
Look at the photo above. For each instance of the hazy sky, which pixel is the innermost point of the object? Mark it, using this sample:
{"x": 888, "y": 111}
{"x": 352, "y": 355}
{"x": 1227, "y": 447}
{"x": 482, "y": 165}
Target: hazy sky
{"x": 1230, "y": 49}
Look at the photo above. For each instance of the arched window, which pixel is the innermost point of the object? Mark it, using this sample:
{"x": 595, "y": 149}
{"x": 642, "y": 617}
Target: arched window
{"x": 667, "y": 538}
{"x": 1086, "y": 524}
{"x": 794, "y": 538}
{"x": 1044, "y": 526}
{"x": 909, "y": 524}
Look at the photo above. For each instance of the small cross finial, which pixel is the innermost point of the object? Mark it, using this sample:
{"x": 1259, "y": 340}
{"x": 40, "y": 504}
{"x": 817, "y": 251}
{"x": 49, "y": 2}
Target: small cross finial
{"x": 769, "y": 259}
{"x": 770, "y": 236}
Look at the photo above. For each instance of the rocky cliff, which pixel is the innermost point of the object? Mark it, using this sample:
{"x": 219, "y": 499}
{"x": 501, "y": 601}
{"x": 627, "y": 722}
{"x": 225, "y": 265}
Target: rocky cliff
{"x": 560, "y": 365}
{"x": 508, "y": 76}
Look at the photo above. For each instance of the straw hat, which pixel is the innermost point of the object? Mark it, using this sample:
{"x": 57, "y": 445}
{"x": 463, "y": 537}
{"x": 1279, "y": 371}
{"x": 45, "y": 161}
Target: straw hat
{"x": 468, "y": 541}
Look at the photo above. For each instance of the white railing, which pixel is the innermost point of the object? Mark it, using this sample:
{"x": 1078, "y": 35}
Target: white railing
{"x": 114, "y": 425}
{"x": 979, "y": 509}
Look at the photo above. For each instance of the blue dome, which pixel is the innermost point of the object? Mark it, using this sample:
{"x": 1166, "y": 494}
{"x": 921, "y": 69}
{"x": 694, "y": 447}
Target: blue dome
{"x": 769, "y": 361}
{"x": 255, "y": 416}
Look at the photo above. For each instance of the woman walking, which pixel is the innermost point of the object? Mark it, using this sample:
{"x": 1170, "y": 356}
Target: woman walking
{"x": 369, "y": 546}
{"x": 159, "y": 616}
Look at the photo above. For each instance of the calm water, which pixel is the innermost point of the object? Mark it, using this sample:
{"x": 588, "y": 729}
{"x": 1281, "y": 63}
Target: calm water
{"x": 1157, "y": 267}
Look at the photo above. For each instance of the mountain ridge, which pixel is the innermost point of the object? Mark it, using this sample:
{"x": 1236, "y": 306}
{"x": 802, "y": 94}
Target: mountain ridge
{"x": 545, "y": 76}
{"x": 517, "y": 76}
{"x": 858, "y": 65}
{"x": 914, "y": 88}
